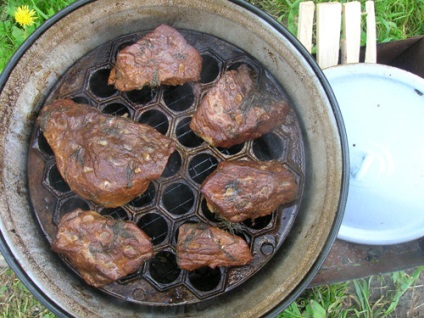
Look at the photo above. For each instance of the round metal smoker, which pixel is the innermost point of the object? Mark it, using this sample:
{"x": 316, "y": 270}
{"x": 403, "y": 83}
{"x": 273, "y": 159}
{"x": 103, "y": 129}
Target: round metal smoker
{"x": 86, "y": 25}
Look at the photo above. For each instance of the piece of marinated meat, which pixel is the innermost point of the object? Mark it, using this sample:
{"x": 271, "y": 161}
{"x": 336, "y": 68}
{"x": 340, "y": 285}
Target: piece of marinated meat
{"x": 240, "y": 190}
{"x": 101, "y": 249}
{"x": 201, "y": 245}
{"x": 235, "y": 110}
{"x": 106, "y": 159}
{"x": 161, "y": 57}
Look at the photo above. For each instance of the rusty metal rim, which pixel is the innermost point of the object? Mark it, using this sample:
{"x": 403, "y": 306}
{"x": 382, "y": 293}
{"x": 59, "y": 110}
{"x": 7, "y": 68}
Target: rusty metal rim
{"x": 55, "y": 308}
{"x": 7, "y": 253}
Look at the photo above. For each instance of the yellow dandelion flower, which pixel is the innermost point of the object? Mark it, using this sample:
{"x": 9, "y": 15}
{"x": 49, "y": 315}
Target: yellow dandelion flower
{"x": 24, "y": 16}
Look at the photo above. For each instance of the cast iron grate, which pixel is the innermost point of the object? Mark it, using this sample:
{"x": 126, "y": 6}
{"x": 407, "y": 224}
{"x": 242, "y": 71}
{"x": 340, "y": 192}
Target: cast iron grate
{"x": 173, "y": 199}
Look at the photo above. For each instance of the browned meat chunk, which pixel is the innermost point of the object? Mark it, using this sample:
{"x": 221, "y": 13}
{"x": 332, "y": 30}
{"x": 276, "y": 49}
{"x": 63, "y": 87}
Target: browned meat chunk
{"x": 201, "y": 245}
{"x": 161, "y": 57}
{"x": 109, "y": 160}
{"x": 240, "y": 190}
{"x": 235, "y": 110}
{"x": 101, "y": 249}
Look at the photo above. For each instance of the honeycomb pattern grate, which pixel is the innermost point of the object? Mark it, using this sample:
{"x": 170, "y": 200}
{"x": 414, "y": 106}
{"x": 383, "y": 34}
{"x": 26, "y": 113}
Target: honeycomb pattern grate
{"x": 174, "y": 198}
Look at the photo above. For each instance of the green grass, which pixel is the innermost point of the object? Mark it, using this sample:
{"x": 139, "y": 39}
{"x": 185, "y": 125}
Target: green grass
{"x": 354, "y": 299}
{"x": 396, "y": 19}
{"x": 12, "y": 35}
{"x": 16, "y": 301}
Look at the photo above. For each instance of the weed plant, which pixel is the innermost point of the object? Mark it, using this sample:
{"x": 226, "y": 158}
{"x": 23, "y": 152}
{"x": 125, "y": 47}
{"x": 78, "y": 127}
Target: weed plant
{"x": 16, "y": 301}
{"x": 13, "y": 34}
{"x": 353, "y": 299}
{"x": 396, "y": 19}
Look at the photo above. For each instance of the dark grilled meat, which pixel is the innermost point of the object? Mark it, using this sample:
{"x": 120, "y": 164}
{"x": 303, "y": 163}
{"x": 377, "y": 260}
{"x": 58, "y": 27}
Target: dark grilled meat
{"x": 101, "y": 249}
{"x": 201, "y": 245}
{"x": 106, "y": 159}
{"x": 240, "y": 190}
{"x": 235, "y": 110}
{"x": 161, "y": 57}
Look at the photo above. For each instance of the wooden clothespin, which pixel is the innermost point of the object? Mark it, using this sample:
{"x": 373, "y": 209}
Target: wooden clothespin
{"x": 306, "y": 23}
{"x": 328, "y": 21}
{"x": 371, "y": 45}
{"x": 351, "y": 39}
{"x": 328, "y": 33}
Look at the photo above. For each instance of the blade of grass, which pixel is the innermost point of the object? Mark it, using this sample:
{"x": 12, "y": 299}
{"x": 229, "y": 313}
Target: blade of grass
{"x": 40, "y": 13}
{"x": 317, "y": 310}
{"x": 402, "y": 282}
{"x": 293, "y": 16}
{"x": 362, "y": 293}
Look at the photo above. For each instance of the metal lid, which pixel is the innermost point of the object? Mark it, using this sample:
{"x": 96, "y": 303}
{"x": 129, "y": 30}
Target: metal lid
{"x": 383, "y": 110}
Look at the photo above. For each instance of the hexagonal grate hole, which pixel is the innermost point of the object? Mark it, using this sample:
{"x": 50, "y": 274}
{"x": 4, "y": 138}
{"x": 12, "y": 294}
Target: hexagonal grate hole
{"x": 173, "y": 165}
{"x": 207, "y": 213}
{"x": 130, "y": 277}
{"x": 155, "y": 226}
{"x": 201, "y": 166}
{"x": 178, "y": 198}
{"x": 156, "y": 119}
{"x": 178, "y": 98}
{"x": 81, "y": 100}
{"x": 98, "y": 84}
{"x": 127, "y": 42}
{"x": 56, "y": 181}
{"x": 236, "y": 65}
{"x": 205, "y": 278}
{"x": 117, "y": 109}
{"x": 116, "y": 213}
{"x": 186, "y": 136}
{"x": 142, "y": 96}
{"x": 70, "y": 205}
{"x": 268, "y": 147}
{"x": 259, "y": 223}
{"x": 163, "y": 267}
{"x": 233, "y": 150}
{"x": 210, "y": 69}
{"x": 146, "y": 198}
{"x": 43, "y": 145}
